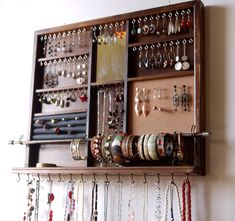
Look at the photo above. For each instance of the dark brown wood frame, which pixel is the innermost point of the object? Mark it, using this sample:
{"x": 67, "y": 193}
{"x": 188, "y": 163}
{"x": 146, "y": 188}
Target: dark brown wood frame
{"x": 33, "y": 147}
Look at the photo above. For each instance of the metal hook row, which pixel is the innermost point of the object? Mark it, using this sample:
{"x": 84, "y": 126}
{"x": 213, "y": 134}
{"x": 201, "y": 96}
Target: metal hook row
{"x": 82, "y": 179}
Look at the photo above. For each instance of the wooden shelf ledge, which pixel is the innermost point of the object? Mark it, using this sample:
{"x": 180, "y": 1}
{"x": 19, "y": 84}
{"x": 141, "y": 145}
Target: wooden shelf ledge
{"x": 162, "y": 170}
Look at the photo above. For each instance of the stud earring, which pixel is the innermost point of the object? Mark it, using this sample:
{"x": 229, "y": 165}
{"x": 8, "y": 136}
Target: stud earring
{"x": 175, "y": 99}
{"x": 138, "y": 102}
{"x": 185, "y": 99}
{"x": 145, "y": 106}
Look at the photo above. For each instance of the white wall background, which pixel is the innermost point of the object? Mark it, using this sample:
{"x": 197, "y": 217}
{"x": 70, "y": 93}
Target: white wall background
{"x": 213, "y": 195}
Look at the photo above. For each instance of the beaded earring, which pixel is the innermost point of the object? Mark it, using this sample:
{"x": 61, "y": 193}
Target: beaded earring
{"x": 175, "y": 99}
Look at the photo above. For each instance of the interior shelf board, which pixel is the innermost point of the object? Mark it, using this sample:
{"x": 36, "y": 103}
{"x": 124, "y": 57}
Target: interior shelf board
{"x": 107, "y": 82}
{"x": 81, "y": 53}
{"x": 61, "y": 112}
{"x": 162, "y": 75}
{"x": 163, "y": 170}
{"x": 154, "y": 39}
{"x": 61, "y": 88}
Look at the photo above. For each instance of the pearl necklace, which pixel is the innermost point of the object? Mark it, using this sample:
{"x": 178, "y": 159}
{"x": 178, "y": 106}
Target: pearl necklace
{"x": 171, "y": 186}
{"x": 186, "y": 188}
{"x": 157, "y": 213}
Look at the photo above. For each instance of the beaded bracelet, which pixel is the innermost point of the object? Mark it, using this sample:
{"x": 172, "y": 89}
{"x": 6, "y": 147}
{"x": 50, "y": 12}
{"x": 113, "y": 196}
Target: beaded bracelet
{"x": 106, "y": 148}
{"x": 96, "y": 147}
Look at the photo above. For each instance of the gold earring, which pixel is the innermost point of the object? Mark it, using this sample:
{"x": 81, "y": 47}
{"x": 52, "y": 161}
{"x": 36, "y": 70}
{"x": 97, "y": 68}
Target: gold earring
{"x": 146, "y": 105}
{"x": 138, "y": 102}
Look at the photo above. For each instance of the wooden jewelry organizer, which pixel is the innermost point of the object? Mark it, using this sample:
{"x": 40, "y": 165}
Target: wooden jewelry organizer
{"x": 70, "y": 66}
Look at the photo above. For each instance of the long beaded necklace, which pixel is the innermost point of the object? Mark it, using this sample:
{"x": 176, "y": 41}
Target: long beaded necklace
{"x": 186, "y": 190}
{"x": 37, "y": 200}
{"x": 158, "y": 199}
{"x": 171, "y": 187}
{"x": 77, "y": 200}
{"x": 83, "y": 198}
{"x": 70, "y": 202}
{"x": 51, "y": 198}
{"x": 145, "y": 199}
{"x": 131, "y": 213}
{"x": 28, "y": 215}
{"x": 119, "y": 198}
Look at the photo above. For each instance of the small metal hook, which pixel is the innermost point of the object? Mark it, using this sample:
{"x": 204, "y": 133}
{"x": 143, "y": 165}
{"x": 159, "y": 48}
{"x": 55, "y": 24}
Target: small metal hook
{"x": 60, "y": 179}
{"x": 82, "y": 178}
{"x": 172, "y": 178}
{"x": 107, "y": 178}
{"x": 18, "y": 180}
{"x": 158, "y": 178}
{"x": 119, "y": 178}
{"x": 28, "y": 178}
{"x": 132, "y": 178}
{"x": 187, "y": 175}
{"x": 49, "y": 178}
{"x": 145, "y": 180}
{"x": 71, "y": 177}
{"x": 95, "y": 180}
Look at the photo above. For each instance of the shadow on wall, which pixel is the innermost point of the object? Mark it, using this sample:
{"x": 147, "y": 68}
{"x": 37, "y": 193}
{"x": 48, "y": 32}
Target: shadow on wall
{"x": 217, "y": 148}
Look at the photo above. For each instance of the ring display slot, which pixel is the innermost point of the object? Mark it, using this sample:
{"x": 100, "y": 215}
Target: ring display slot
{"x": 63, "y": 126}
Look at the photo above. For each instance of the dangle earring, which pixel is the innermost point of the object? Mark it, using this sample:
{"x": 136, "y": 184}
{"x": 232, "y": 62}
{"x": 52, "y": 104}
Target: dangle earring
{"x": 146, "y": 59}
{"x": 175, "y": 99}
{"x": 133, "y": 30}
{"x": 146, "y": 105}
{"x": 140, "y": 57}
{"x": 138, "y": 102}
{"x": 185, "y": 99}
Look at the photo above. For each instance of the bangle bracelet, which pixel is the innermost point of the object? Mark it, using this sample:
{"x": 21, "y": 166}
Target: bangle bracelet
{"x": 116, "y": 150}
{"x": 75, "y": 150}
{"x": 152, "y": 150}
{"x": 140, "y": 147}
{"x": 145, "y": 146}
{"x": 165, "y": 145}
{"x": 131, "y": 147}
{"x": 160, "y": 145}
{"x": 169, "y": 145}
{"x": 124, "y": 147}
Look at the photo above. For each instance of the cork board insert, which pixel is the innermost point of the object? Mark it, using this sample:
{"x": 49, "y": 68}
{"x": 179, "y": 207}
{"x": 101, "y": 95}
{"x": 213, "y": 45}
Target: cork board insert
{"x": 162, "y": 121}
